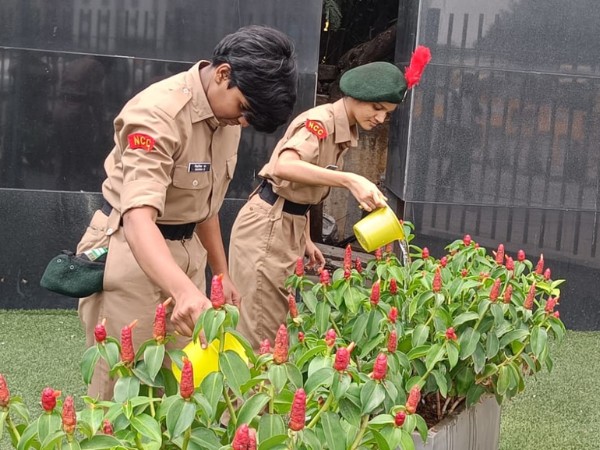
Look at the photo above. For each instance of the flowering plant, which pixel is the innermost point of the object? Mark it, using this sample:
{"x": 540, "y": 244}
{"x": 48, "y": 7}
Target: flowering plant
{"x": 370, "y": 354}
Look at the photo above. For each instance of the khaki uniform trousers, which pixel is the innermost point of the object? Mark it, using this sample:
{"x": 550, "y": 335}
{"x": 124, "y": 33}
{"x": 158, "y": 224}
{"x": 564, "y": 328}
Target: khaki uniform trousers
{"x": 128, "y": 293}
{"x": 264, "y": 246}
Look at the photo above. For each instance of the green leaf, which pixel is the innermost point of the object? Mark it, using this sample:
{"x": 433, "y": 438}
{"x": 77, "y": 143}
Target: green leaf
{"x": 212, "y": 388}
{"x": 420, "y": 335}
{"x": 310, "y": 300}
{"x": 277, "y": 376}
{"x": 418, "y": 352}
{"x": 251, "y": 408}
{"x": 468, "y": 342}
{"x": 273, "y": 442}
{"x": 452, "y": 352}
{"x": 126, "y": 388}
{"x": 27, "y": 437}
{"x": 147, "y": 426}
{"x": 503, "y": 380}
{"x": 539, "y": 340}
{"x": 309, "y": 354}
{"x": 100, "y": 442}
{"x": 492, "y": 345}
{"x": 180, "y": 417}
{"x": 48, "y": 424}
{"x": 322, "y": 317}
{"x": 110, "y": 353}
{"x": 350, "y": 411}
{"x": 212, "y": 323}
{"x": 382, "y": 419}
{"x": 359, "y": 327}
{"x": 341, "y": 382}
{"x": 323, "y": 376}
{"x": 382, "y": 443}
{"x": 53, "y": 439}
{"x": 406, "y": 441}
{"x": 3, "y": 415}
{"x": 514, "y": 335}
{"x": 334, "y": 435}
{"x": 474, "y": 394}
{"x": 434, "y": 355}
{"x": 205, "y": 439}
{"x": 441, "y": 382}
{"x": 92, "y": 417}
{"x": 294, "y": 375}
{"x": 154, "y": 356}
{"x": 270, "y": 425}
{"x": 464, "y": 317}
{"x": 372, "y": 395}
{"x": 478, "y": 358}
{"x": 235, "y": 370}
{"x": 421, "y": 426}
{"x": 88, "y": 363}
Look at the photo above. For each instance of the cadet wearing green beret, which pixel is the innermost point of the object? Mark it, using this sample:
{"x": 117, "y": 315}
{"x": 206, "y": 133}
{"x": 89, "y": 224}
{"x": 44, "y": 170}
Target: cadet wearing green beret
{"x": 272, "y": 230}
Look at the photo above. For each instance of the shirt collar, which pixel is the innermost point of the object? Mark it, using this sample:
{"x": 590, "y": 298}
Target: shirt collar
{"x": 343, "y": 131}
{"x": 201, "y": 109}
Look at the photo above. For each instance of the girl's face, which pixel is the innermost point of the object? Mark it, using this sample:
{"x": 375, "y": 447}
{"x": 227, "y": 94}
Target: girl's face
{"x": 368, "y": 114}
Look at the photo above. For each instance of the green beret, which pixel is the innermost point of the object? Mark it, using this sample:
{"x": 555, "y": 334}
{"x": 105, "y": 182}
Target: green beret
{"x": 374, "y": 82}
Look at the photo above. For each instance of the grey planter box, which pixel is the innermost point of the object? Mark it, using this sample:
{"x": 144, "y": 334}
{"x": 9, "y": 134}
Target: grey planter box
{"x": 476, "y": 428}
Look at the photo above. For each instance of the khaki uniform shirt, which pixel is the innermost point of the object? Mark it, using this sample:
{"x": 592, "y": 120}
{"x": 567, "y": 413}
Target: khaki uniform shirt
{"x": 320, "y": 136}
{"x": 170, "y": 153}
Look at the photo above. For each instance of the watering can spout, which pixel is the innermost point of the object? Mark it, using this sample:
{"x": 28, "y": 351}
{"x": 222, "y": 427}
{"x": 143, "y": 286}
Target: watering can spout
{"x": 378, "y": 229}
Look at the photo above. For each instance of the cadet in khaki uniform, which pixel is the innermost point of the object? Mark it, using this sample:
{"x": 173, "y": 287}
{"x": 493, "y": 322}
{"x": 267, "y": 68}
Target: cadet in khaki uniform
{"x": 271, "y": 230}
{"x": 175, "y": 153}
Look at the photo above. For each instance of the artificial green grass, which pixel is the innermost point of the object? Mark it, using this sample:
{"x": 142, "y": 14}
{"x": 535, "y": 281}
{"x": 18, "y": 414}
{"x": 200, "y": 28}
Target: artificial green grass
{"x": 558, "y": 410}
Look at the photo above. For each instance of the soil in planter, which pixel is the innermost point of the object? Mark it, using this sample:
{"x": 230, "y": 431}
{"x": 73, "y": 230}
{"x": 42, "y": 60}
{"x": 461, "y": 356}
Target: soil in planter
{"x": 428, "y": 409}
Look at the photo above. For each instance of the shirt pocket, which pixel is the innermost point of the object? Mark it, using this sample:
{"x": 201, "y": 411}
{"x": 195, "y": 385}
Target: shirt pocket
{"x": 183, "y": 179}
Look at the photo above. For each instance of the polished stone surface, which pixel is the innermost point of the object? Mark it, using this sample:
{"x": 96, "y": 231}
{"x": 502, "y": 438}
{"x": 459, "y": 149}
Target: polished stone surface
{"x": 499, "y": 140}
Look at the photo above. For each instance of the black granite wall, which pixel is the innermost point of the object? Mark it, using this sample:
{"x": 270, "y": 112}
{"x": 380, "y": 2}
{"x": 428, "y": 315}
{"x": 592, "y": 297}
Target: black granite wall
{"x": 66, "y": 69}
{"x": 503, "y": 131}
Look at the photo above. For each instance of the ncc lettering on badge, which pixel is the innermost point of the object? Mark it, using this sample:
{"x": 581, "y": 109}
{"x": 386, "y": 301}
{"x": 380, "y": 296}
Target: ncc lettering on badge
{"x": 199, "y": 167}
{"x": 141, "y": 140}
{"x": 316, "y": 128}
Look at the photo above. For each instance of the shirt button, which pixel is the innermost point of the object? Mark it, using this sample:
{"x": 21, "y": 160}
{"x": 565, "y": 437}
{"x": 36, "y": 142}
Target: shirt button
{"x": 186, "y": 91}
{"x": 195, "y": 183}
{"x": 109, "y": 232}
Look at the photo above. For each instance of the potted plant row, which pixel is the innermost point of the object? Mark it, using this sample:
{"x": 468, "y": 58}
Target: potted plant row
{"x": 373, "y": 355}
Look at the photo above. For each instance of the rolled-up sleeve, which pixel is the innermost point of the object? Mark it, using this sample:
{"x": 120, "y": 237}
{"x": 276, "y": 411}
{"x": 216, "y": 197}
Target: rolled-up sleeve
{"x": 305, "y": 143}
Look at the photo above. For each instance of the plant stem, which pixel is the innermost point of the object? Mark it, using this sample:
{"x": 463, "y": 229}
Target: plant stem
{"x": 13, "y": 429}
{"x": 455, "y": 404}
{"x": 324, "y": 408}
{"x": 138, "y": 442}
{"x": 439, "y": 406}
{"x": 271, "y": 399}
{"x": 221, "y": 339}
{"x": 361, "y": 432}
{"x": 151, "y": 395}
{"x": 229, "y": 405}
{"x": 335, "y": 327}
{"x": 186, "y": 439}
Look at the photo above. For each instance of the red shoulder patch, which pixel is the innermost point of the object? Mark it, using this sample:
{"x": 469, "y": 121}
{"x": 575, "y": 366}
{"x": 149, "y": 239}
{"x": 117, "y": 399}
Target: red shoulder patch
{"x": 316, "y": 128}
{"x": 141, "y": 140}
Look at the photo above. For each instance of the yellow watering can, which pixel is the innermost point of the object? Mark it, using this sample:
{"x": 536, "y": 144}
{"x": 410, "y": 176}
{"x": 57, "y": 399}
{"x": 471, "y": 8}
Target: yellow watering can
{"x": 206, "y": 360}
{"x": 378, "y": 228}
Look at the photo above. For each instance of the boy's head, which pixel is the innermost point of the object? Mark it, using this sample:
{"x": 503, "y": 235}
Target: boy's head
{"x": 263, "y": 68}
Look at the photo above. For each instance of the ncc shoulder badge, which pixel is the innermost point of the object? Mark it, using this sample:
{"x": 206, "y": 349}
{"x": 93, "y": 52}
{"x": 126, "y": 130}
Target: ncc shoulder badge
{"x": 141, "y": 140}
{"x": 316, "y": 128}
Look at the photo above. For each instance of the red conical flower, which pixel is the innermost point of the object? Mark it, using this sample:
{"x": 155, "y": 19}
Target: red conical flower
{"x": 550, "y": 304}
{"x": 217, "y": 297}
{"x": 508, "y": 294}
{"x": 467, "y": 240}
{"x": 413, "y": 399}
{"x": 400, "y": 418}
{"x": 358, "y": 265}
{"x": 159, "y": 330}
{"x": 348, "y": 258}
{"x": 342, "y": 358}
{"x": 324, "y": 277}
{"x": 510, "y": 264}
{"x": 495, "y": 291}
{"x": 393, "y": 286}
{"x": 127, "y": 352}
{"x": 347, "y": 274}
{"x": 280, "y": 352}
{"x": 107, "y": 427}
{"x": 265, "y": 347}
{"x": 69, "y": 417}
{"x": 330, "y": 337}
{"x": 100, "y": 332}
{"x": 444, "y": 261}
{"x": 539, "y": 268}
{"x": 547, "y": 274}
{"x": 392, "y": 343}
{"x": 393, "y": 314}
{"x": 298, "y": 411}
{"x": 437, "y": 281}
{"x": 4, "y": 392}
{"x": 300, "y": 336}
{"x": 186, "y": 386}
{"x": 464, "y": 273}
{"x": 378, "y": 254}
{"x": 375, "y": 293}
{"x": 521, "y": 256}
{"x": 419, "y": 59}
{"x": 49, "y": 397}
{"x": 300, "y": 267}
{"x": 251, "y": 439}
{"x": 380, "y": 367}
{"x": 451, "y": 334}
{"x": 500, "y": 254}
{"x": 292, "y": 306}
{"x": 425, "y": 253}
{"x": 528, "y": 303}
{"x": 241, "y": 439}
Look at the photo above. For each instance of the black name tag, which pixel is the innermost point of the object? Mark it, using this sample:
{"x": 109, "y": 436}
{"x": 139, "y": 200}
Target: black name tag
{"x": 199, "y": 167}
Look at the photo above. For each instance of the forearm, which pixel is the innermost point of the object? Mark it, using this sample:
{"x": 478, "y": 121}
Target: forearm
{"x": 209, "y": 233}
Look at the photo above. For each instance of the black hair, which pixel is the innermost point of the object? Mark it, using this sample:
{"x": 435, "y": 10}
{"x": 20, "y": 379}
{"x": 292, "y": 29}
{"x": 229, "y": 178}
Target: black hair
{"x": 263, "y": 67}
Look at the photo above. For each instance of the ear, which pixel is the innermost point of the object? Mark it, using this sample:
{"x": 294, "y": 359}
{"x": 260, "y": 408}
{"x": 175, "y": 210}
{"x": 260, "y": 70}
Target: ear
{"x": 222, "y": 72}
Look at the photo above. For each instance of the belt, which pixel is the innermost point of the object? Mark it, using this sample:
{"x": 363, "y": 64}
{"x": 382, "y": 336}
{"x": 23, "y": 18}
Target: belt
{"x": 265, "y": 191}
{"x": 170, "y": 232}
